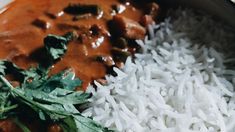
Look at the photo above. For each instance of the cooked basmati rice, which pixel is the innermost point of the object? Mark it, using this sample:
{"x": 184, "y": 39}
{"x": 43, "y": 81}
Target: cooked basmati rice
{"x": 182, "y": 81}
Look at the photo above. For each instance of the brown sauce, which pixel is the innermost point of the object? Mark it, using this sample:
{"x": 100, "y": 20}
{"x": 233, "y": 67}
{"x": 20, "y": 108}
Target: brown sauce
{"x": 21, "y": 39}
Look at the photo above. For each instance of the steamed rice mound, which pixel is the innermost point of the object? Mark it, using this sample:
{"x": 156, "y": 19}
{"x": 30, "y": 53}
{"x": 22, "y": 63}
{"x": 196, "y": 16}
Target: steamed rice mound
{"x": 183, "y": 81}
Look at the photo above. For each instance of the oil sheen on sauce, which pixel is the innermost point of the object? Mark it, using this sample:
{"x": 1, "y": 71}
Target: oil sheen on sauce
{"x": 21, "y": 41}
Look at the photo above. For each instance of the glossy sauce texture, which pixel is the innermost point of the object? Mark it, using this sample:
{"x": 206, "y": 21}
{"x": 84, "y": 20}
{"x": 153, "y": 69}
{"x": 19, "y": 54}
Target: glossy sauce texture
{"x": 20, "y": 40}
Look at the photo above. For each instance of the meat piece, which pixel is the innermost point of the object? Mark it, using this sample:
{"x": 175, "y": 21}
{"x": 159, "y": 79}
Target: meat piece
{"x": 78, "y": 9}
{"x": 85, "y": 37}
{"x": 55, "y": 12}
{"x": 42, "y": 22}
{"x": 121, "y": 43}
{"x": 119, "y": 54}
{"x": 82, "y": 16}
{"x": 106, "y": 60}
{"x": 128, "y": 28}
{"x": 125, "y": 1}
{"x": 98, "y": 30}
{"x": 8, "y": 125}
{"x": 152, "y": 9}
{"x": 147, "y": 20}
{"x": 119, "y": 8}
{"x": 54, "y": 128}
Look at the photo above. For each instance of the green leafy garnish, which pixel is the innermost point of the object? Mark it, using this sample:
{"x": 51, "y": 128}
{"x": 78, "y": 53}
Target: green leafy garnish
{"x": 56, "y": 46}
{"x": 7, "y": 67}
{"x": 56, "y": 105}
{"x": 50, "y": 98}
{"x": 21, "y": 125}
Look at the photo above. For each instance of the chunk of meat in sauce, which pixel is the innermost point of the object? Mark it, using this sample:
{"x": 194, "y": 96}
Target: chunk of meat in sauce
{"x": 43, "y": 22}
{"x": 106, "y": 60}
{"x": 8, "y": 126}
{"x": 147, "y": 20}
{"x": 153, "y": 10}
{"x": 26, "y": 35}
{"x": 128, "y": 28}
{"x": 54, "y": 11}
{"x": 54, "y": 128}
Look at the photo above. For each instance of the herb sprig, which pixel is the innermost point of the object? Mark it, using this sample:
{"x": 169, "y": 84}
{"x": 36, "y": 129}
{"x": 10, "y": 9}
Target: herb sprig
{"x": 52, "y": 98}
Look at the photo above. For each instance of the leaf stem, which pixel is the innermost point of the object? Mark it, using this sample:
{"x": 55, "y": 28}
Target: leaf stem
{"x": 21, "y": 125}
{"x": 8, "y": 108}
{"x": 4, "y": 80}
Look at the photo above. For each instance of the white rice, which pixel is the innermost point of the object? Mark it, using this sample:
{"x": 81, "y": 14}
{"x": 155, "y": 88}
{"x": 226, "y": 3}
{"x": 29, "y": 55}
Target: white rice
{"x": 181, "y": 83}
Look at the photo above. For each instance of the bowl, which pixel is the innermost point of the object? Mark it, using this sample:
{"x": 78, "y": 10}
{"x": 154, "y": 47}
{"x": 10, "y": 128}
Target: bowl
{"x": 221, "y": 9}
{"x": 3, "y": 5}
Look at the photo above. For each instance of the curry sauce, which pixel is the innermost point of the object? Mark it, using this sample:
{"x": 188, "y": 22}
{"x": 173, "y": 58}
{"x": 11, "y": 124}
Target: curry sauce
{"x": 25, "y": 24}
{"x": 20, "y": 38}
